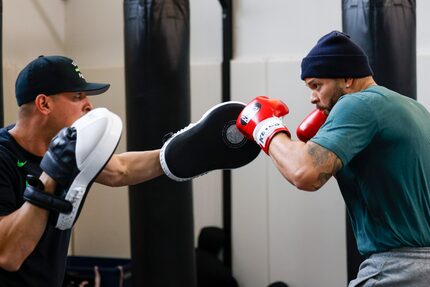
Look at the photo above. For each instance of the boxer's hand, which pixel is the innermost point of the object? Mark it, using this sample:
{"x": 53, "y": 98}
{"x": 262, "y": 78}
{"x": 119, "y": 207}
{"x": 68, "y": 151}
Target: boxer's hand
{"x": 310, "y": 125}
{"x": 261, "y": 120}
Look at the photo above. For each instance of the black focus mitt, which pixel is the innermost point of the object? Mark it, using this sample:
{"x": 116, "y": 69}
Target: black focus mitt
{"x": 212, "y": 143}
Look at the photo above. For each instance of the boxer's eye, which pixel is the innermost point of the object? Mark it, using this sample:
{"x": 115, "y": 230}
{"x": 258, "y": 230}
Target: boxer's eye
{"x": 314, "y": 86}
{"x": 79, "y": 96}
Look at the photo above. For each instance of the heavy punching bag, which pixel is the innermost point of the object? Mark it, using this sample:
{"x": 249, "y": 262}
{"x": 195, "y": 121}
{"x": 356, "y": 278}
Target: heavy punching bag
{"x": 1, "y": 64}
{"x": 386, "y": 30}
{"x": 157, "y": 78}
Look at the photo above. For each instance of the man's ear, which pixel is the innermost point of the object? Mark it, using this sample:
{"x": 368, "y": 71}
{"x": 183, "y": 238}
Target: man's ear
{"x": 348, "y": 82}
{"x": 43, "y": 103}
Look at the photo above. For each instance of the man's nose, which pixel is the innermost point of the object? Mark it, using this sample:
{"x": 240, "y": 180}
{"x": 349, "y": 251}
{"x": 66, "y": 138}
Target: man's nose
{"x": 314, "y": 98}
{"x": 88, "y": 106}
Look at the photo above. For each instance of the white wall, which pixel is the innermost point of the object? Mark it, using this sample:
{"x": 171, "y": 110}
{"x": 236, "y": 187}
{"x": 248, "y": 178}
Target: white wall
{"x": 423, "y": 32}
{"x": 423, "y": 52}
{"x": 30, "y": 28}
{"x": 279, "y": 233}
{"x": 282, "y": 28}
{"x": 94, "y": 32}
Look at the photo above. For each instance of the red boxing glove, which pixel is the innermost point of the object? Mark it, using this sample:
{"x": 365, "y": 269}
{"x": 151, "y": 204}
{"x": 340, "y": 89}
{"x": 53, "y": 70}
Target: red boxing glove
{"x": 260, "y": 120}
{"x": 310, "y": 125}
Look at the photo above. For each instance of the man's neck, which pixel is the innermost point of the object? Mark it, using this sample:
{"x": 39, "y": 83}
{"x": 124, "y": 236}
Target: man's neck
{"x": 364, "y": 83}
{"x": 31, "y": 137}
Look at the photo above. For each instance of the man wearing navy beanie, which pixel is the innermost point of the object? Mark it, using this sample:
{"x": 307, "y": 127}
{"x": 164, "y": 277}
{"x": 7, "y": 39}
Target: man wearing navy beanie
{"x": 374, "y": 141}
{"x": 336, "y": 56}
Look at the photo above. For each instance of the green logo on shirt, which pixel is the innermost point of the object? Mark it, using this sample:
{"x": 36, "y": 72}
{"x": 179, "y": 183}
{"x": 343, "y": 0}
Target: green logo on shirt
{"x": 20, "y": 163}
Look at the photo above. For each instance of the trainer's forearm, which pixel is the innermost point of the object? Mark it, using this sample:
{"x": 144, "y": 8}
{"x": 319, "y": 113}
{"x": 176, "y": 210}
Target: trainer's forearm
{"x": 21, "y": 230}
{"x": 131, "y": 168}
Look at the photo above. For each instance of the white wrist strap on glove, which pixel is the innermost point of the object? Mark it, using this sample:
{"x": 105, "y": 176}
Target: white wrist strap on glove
{"x": 266, "y": 129}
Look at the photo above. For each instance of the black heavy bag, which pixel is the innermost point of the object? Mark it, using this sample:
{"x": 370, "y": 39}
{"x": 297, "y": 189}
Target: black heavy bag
{"x": 386, "y": 30}
{"x": 157, "y": 81}
{"x": 1, "y": 64}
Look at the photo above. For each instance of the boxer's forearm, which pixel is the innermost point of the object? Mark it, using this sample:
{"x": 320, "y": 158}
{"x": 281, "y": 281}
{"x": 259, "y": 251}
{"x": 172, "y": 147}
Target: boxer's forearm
{"x": 308, "y": 166}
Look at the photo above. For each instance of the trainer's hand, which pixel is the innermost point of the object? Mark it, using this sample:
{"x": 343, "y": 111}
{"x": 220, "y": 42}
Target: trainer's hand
{"x": 59, "y": 162}
{"x": 75, "y": 157}
{"x": 57, "y": 170}
{"x": 261, "y": 120}
{"x": 310, "y": 125}
{"x": 212, "y": 143}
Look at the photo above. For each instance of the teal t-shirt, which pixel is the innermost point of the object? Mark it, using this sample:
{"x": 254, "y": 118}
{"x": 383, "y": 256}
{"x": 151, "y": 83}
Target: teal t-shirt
{"x": 383, "y": 141}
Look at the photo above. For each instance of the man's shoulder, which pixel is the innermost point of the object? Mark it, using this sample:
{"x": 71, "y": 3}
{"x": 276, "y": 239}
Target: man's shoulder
{"x": 5, "y": 137}
{"x": 7, "y": 144}
{"x": 370, "y": 99}
{"x": 378, "y": 93}
{"x": 11, "y": 154}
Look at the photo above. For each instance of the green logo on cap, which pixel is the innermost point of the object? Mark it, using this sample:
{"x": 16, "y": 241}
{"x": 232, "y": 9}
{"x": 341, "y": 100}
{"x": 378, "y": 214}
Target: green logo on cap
{"x": 77, "y": 70}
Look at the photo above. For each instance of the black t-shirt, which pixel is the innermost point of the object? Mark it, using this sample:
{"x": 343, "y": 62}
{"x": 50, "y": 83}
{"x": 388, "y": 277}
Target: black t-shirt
{"x": 46, "y": 264}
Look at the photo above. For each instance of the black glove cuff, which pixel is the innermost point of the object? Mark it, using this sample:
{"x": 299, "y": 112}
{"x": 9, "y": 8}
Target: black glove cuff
{"x": 35, "y": 195}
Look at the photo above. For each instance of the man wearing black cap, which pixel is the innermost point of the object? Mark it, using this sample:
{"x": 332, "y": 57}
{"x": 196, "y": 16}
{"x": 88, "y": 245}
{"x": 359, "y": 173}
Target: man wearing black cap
{"x": 376, "y": 143}
{"x": 51, "y": 93}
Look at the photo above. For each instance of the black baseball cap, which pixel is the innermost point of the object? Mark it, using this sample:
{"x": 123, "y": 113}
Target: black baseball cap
{"x": 51, "y": 75}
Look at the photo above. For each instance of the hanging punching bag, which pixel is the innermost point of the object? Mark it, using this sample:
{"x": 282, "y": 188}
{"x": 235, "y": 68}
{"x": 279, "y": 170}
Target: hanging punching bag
{"x": 1, "y": 65}
{"x": 157, "y": 79}
{"x": 386, "y": 30}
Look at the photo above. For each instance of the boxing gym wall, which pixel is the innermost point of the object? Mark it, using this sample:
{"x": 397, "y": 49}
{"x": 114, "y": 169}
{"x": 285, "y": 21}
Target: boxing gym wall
{"x": 279, "y": 233}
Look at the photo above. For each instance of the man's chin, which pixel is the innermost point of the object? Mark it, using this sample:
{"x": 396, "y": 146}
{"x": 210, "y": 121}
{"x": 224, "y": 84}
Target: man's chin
{"x": 326, "y": 111}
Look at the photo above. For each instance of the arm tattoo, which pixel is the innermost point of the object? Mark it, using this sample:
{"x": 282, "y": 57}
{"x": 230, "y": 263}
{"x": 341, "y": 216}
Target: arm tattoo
{"x": 325, "y": 161}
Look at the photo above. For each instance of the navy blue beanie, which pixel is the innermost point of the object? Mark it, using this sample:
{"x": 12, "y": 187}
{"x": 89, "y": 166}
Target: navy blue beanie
{"x": 335, "y": 56}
